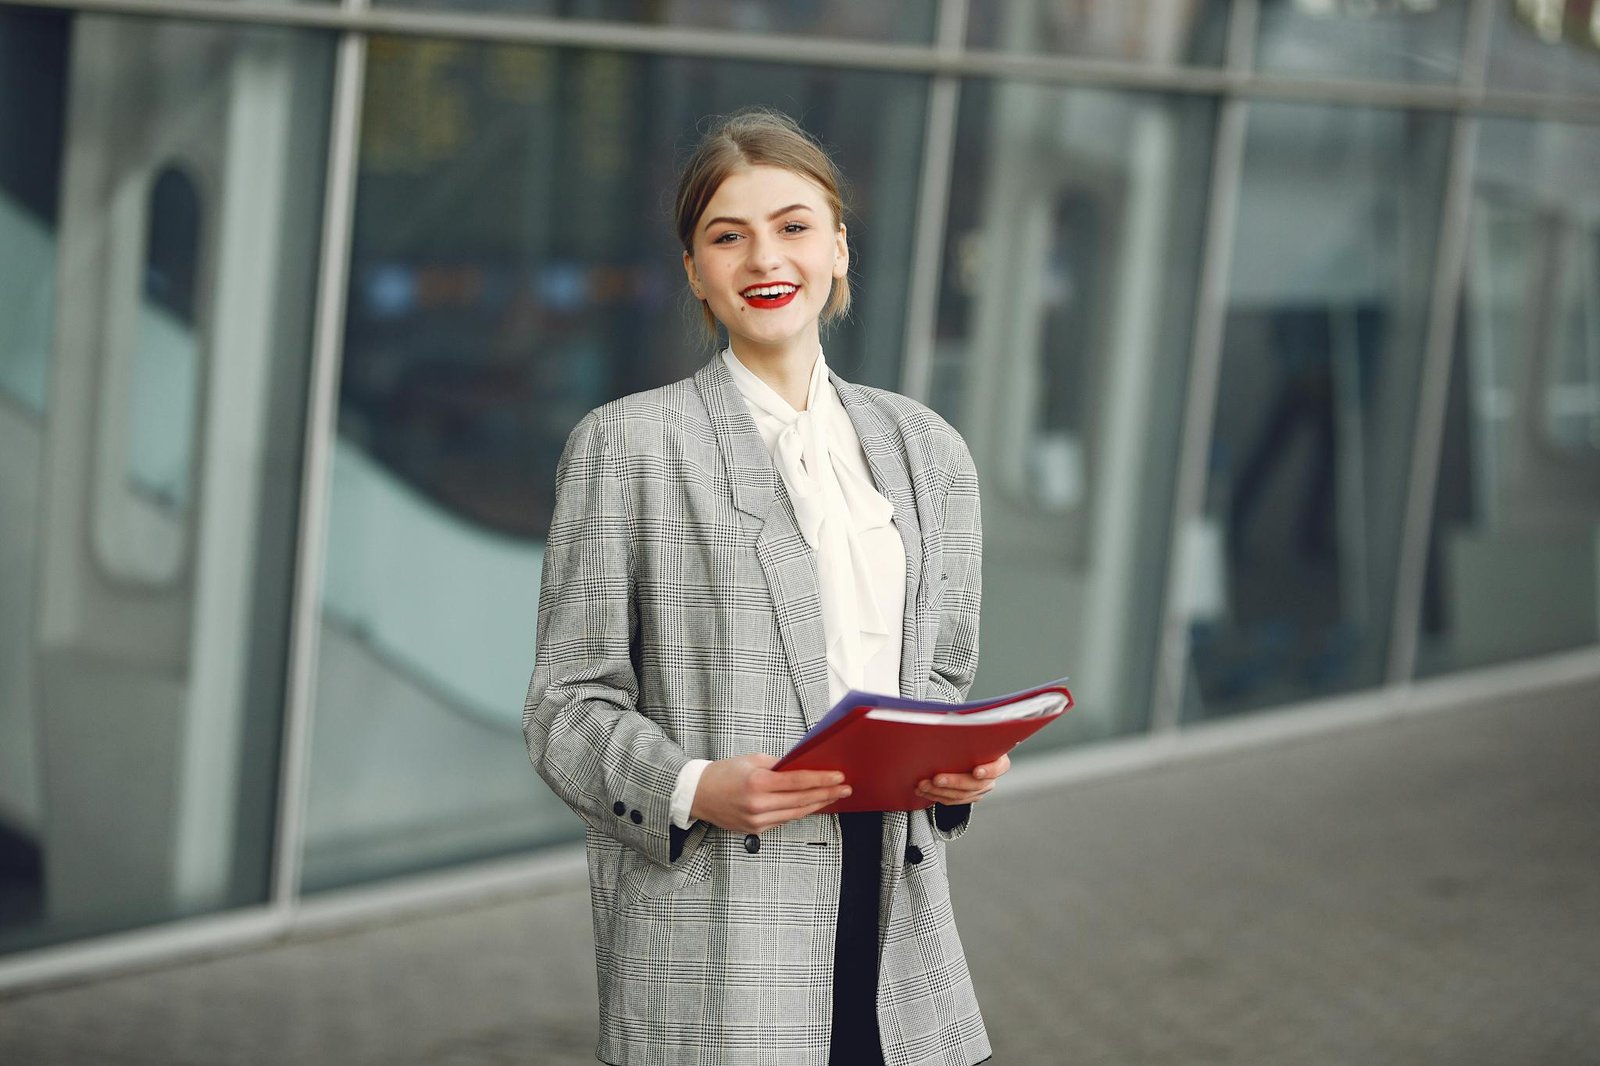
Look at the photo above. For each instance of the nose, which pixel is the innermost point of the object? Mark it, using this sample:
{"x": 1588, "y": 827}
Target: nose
{"x": 765, "y": 254}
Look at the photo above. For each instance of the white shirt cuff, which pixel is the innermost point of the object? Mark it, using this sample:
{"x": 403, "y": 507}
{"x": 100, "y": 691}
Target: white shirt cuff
{"x": 683, "y": 792}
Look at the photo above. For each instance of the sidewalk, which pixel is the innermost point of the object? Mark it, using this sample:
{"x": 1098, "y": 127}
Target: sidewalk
{"x": 1420, "y": 891}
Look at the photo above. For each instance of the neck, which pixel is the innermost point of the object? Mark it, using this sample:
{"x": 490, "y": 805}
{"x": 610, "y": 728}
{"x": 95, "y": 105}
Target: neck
{"x": 787, "y": 372}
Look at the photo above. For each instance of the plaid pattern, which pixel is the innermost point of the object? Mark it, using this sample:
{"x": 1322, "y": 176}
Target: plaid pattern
{"x": 679, "y": 618}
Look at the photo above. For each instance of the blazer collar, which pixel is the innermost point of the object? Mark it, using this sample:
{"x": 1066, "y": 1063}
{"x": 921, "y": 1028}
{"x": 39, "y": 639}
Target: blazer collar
{"x": 750, "y": 468}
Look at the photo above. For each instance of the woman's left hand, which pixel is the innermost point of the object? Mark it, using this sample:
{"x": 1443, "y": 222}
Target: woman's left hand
{"x": 955, "y": 789}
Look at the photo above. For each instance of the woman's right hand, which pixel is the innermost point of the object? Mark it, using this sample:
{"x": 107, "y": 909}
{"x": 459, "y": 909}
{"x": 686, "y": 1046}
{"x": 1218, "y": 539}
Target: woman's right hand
{"x": 745, "y": 795}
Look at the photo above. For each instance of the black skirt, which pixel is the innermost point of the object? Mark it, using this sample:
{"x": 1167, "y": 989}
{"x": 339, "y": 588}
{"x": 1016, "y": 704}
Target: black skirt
{"x": 855, "y": 1039}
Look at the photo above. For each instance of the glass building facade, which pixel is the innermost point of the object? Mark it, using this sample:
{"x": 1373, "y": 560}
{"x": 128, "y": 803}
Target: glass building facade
{"x": 1273, "y": 326}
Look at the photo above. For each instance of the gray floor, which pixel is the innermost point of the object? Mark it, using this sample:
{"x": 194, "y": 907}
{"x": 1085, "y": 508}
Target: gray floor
{"x": 1420, "y": 891}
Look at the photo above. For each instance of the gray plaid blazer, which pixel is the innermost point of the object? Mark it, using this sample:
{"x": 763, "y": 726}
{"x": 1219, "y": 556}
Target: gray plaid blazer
{"x": 679, "y": 618}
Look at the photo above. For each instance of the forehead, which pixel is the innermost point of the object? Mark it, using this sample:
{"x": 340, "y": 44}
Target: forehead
{"x": 753, "y": 192}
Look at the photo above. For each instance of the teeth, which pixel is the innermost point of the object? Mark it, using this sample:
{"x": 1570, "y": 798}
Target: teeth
{"x": 770, "y": 290}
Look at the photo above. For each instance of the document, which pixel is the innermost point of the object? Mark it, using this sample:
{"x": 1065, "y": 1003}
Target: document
{"x": 885, "y": 745}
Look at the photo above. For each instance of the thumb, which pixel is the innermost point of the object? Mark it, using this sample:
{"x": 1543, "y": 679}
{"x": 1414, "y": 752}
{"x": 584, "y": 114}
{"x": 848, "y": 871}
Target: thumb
{"x": 760, "y": 761}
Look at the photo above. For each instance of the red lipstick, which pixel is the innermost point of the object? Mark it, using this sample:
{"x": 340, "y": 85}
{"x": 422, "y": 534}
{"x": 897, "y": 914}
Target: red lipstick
{"x": 768, "y": 302}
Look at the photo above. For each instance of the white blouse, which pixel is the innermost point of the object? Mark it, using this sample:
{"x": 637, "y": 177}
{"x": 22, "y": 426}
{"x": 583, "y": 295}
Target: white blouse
{"x": 861, "y": 562}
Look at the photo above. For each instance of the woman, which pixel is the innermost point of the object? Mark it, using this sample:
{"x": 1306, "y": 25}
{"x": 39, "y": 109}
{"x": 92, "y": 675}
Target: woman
{"x": 729, "y": 555}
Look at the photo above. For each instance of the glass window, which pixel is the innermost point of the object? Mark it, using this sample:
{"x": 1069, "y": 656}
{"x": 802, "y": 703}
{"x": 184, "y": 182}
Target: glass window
{"x": 1164, "y": 32}
{"x": 1293, "y": 563}
{"x": 908, "y": 21}
{"x": 160, "y": 201}
{"x": 514, "y": 265}
{"x": 1545, "y": 46}
{"x": 1369, "y": 40}
{"x": 1514, "y": 564}
{"x": 1070, "y": 267}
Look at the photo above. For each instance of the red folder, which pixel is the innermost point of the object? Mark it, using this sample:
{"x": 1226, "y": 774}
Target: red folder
{"x": 885, "y": 745}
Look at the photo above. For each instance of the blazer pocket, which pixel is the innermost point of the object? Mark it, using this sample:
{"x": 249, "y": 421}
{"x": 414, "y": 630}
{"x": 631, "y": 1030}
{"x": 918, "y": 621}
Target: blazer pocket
{"x": 643, "y": 879}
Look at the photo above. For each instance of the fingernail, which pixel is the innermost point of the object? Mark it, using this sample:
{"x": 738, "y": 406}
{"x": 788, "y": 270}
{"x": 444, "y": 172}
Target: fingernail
{"x": 980, "y": 773}
{"x": 943, "y": 781}
{"x": 845, "y": 791}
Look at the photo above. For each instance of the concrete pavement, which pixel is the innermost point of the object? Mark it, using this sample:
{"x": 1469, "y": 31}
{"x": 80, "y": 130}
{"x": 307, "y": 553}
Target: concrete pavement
{"x": 1423, "y": 890}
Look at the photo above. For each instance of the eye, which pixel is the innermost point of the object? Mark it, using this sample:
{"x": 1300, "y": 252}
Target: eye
{"x": 725, "y": 238}
{"x": 795, "y": 227}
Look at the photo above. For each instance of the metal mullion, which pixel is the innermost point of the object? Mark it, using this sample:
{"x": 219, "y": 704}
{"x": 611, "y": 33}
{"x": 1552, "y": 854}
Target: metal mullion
{"x": 1438, "y": 352}
{"x": 851, "y": 54}
{"x": 1205, "y": 374}
{"x": 316, "y": 469}
{"x": 101, "y": 956}
{"x": 933, "y": 210}
{"x": 1244, "y": 25}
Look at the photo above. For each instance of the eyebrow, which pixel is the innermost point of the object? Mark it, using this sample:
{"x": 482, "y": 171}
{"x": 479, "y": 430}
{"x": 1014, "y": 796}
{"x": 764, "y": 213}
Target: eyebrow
{"x": 745, "y": 222}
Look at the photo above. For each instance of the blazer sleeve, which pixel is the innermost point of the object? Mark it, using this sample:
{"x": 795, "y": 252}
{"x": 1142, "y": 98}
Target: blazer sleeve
{"x": 955, "y": 650}
{"x": 585, "y": 734}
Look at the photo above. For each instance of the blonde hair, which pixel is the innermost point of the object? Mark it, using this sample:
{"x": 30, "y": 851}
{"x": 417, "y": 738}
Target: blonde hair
{"x": 750, "y": 138}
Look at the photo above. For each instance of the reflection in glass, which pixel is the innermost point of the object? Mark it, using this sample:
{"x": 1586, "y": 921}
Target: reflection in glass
{"x": 33, "y": 50}
{"x": 514, "y": 265}
{"x": 140, "y": 699}
{"x": 1071, "y": 261}
{"x": 1163, "y": 32}
{"x": 151, "y": 383}
{"x": 1369, "y": 40}
{"x": 1327, "y": 304}
{"x": 1546, "y": 46}
{"x": 1514, "y": 568}
{"x": 907, "y": 21}
{"x": 166, "y": 358}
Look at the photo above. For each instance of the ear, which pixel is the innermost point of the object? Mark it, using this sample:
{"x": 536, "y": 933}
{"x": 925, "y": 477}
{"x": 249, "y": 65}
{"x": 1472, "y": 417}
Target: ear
{"x": 692, "y": 274}
{"x": 841, "y": 262}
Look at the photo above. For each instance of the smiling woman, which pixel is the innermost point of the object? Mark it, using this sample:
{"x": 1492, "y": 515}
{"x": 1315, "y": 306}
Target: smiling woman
{"x": 728, "y": 556}
{"x": 787, "y": 260}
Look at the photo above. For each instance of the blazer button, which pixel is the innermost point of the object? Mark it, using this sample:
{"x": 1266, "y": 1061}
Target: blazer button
{"x": 913, "y": 854}
{"x": 619, "y": 808}
{"x": 635, "y": 817}
{"x": 752, "y": 843}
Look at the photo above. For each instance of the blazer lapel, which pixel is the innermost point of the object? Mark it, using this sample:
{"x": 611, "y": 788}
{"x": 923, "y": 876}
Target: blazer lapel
{"x": 786, "y": 559}
{"x": 754, "y": 479}
{"x": 886, "y": 456}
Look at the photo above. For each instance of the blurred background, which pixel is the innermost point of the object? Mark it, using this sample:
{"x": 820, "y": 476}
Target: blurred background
{"x": 1273, "y": 325}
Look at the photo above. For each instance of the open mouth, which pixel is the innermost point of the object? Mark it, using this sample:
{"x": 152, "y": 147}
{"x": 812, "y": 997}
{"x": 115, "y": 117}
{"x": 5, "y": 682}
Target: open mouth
{"x": 770, "y": 296}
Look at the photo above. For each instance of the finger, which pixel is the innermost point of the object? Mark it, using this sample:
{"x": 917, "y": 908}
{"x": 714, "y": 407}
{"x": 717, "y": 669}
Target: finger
{"x": 760, "y": 823}
{"x": 771, "y": 802}
{"x": 961, "y": 782}
{"x": 952, "y": 799}
{"x": 991, "y": 770}
{"x": 798, "y": 780}
{"x": 931, "y": 790}
{"x": 805, "y": 812}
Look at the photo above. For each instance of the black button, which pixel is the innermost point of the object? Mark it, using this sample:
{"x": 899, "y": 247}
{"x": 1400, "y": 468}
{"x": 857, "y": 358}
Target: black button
{"x": 913, "y": 854}
{"x": 635, "y": 817}
{"x": 619, "y": 808}
{"x": 752, "y": 843}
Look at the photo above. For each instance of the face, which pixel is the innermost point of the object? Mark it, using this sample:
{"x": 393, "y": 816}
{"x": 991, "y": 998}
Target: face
{"x": 766, "y": 253}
